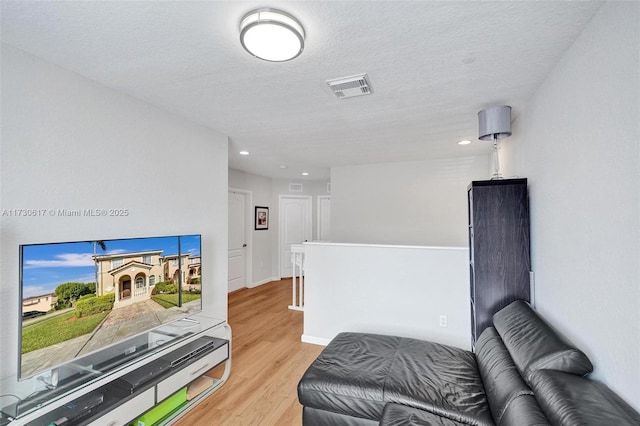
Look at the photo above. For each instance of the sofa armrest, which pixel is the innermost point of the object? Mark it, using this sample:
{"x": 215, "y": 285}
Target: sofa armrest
{"x": 524, "y": 410}
{"x": 502, "y": 381}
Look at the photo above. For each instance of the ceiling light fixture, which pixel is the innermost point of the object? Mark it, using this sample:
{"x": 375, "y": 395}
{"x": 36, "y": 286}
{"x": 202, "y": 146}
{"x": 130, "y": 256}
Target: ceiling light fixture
{"x": 244, "y": 153}
{"x": 494, "y": 123}
{"x": 305, "y": 173}
{"x": 464, "y": 142}
{"x": 271, "y": 35}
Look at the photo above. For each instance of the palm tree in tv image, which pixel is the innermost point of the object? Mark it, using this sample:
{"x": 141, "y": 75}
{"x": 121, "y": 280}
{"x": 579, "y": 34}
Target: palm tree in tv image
{"x": 103, "y": 247}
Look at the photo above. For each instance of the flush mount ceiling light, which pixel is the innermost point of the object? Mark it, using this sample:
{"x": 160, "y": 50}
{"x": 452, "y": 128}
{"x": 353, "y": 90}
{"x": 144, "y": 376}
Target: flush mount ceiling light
{"x": 272, "y": 35}
{"x": 244, "y": 153}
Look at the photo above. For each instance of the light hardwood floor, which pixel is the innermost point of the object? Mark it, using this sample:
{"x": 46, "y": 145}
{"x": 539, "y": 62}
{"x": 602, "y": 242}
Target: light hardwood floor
{"x": 267, "y": 362}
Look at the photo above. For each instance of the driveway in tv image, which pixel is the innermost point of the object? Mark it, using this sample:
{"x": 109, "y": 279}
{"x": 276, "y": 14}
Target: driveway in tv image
{"x": 118, "y": 325}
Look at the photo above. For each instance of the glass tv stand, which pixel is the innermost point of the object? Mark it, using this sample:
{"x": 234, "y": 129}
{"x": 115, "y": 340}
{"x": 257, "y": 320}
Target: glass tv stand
{"x": 118, "y": 384}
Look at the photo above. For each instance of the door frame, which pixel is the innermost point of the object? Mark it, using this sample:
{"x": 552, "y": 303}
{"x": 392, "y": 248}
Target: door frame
{"x": 248, "y": 254}
{"x": 281, "y": 197}
{"x": 319, "y": 216}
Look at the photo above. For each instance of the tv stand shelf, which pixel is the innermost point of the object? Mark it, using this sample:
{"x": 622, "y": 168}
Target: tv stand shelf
{"x": 121, "y": 396}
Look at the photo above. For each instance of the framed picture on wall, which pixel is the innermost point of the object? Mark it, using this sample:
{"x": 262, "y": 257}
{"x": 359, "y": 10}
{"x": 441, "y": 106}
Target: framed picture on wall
{"x": 262, "y": 218}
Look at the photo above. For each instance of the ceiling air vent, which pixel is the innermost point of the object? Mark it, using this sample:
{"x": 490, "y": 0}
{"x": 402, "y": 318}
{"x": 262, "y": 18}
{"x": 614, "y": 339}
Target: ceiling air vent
{"x": 295, "y": 187}
{"x": 349, "y": 87}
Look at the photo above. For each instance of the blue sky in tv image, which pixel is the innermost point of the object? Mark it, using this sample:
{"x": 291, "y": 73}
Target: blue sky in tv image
{"x": 45, "y": 266}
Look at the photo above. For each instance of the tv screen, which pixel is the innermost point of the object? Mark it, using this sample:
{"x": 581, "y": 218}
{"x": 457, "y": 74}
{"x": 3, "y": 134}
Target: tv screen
{"x": 78, "y": 298}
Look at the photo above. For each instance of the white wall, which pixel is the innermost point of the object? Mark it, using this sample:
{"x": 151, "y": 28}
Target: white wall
{"x": 413, "y": 203}
{"x": 397, "y": 290}
{"x": 281, "y": 187}
{"x": 260, "y": 188}
{"x": 266, "y": 192}
{"x": 69, "y": 143}
{"x": 578, "y": 142}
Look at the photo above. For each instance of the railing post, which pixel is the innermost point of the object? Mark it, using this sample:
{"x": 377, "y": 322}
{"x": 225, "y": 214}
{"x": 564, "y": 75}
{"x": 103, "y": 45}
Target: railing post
{"x": 297, "y": 259}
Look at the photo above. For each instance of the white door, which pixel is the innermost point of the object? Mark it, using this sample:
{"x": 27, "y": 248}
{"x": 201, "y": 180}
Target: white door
{"x": 237, "y": 240}
{"x": 324, "y": 218}
{"x": 295, "y": 228}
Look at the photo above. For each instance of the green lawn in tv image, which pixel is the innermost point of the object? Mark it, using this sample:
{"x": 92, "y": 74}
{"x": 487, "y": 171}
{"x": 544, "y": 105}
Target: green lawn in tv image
{"x": 58, "y": 329}
{"x": 168, "y": 301}
{"x": 78, "y": 297}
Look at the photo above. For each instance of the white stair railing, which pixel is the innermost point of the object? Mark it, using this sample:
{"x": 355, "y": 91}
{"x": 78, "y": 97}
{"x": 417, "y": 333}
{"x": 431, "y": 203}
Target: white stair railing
{"x": 297, "y": 259}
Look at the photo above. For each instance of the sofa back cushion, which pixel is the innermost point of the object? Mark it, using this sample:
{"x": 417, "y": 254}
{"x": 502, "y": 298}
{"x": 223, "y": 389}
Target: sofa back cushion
{"x": 501, "y": 379}
{"x": 534, "y": 345}
{"x": 570, "y": 400}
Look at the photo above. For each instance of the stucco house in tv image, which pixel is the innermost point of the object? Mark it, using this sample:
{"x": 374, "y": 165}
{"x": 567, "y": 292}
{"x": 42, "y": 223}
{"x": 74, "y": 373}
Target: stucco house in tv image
{"x": 40, "y": 303}
{"x": 190, "y": 266}
{"x": 132, "y": 276}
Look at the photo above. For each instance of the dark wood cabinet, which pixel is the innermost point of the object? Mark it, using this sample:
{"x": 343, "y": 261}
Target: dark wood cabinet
{"x": 498, "y": 248}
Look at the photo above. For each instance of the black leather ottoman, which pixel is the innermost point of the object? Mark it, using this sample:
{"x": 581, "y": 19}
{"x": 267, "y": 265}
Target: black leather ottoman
{"x": 358, "y": 374}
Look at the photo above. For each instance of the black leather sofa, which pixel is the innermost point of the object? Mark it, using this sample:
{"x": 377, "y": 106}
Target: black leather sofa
{"x": 522, "y": 373}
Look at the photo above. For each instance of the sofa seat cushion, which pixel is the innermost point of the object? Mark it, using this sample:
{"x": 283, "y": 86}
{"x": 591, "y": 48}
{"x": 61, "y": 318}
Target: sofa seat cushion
{"x": 401, "y": 415}
{"x": 534, "y": 345}
{"x": 441, "y": 379}
{"x": 358, "y": 374}
{"x": 570, "y": 400}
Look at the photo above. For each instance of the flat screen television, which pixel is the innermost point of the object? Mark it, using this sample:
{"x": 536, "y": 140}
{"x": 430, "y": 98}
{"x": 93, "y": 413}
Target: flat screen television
{"x": 80, "y": 298}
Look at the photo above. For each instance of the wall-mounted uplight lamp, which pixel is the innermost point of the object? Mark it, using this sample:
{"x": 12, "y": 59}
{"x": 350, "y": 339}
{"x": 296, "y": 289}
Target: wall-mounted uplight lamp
{"x": 271, "y": 35}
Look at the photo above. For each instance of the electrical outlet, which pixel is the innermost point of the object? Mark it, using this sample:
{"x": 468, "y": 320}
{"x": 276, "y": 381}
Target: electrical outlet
{"x": 443, "y": 320}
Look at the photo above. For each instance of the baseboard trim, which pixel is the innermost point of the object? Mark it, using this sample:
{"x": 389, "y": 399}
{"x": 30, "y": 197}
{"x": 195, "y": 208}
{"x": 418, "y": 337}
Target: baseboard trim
{"x": 268, "y": 280}
{"x": 315, "y": 340}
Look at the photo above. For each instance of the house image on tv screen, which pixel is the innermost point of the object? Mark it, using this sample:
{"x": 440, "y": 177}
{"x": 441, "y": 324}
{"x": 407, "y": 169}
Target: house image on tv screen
{"x": 37, "y": 305}
{"x": 132, "y": 276}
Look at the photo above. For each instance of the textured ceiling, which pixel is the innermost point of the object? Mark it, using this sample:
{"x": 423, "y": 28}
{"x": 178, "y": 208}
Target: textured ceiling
{"x": 432, "y": 65}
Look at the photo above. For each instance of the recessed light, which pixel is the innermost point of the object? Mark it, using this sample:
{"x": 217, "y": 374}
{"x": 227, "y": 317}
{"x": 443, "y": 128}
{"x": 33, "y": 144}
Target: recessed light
{"x": 244, "y": 153}
{"x": 464, "y": 142}
{"x": 305, "y": 174}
